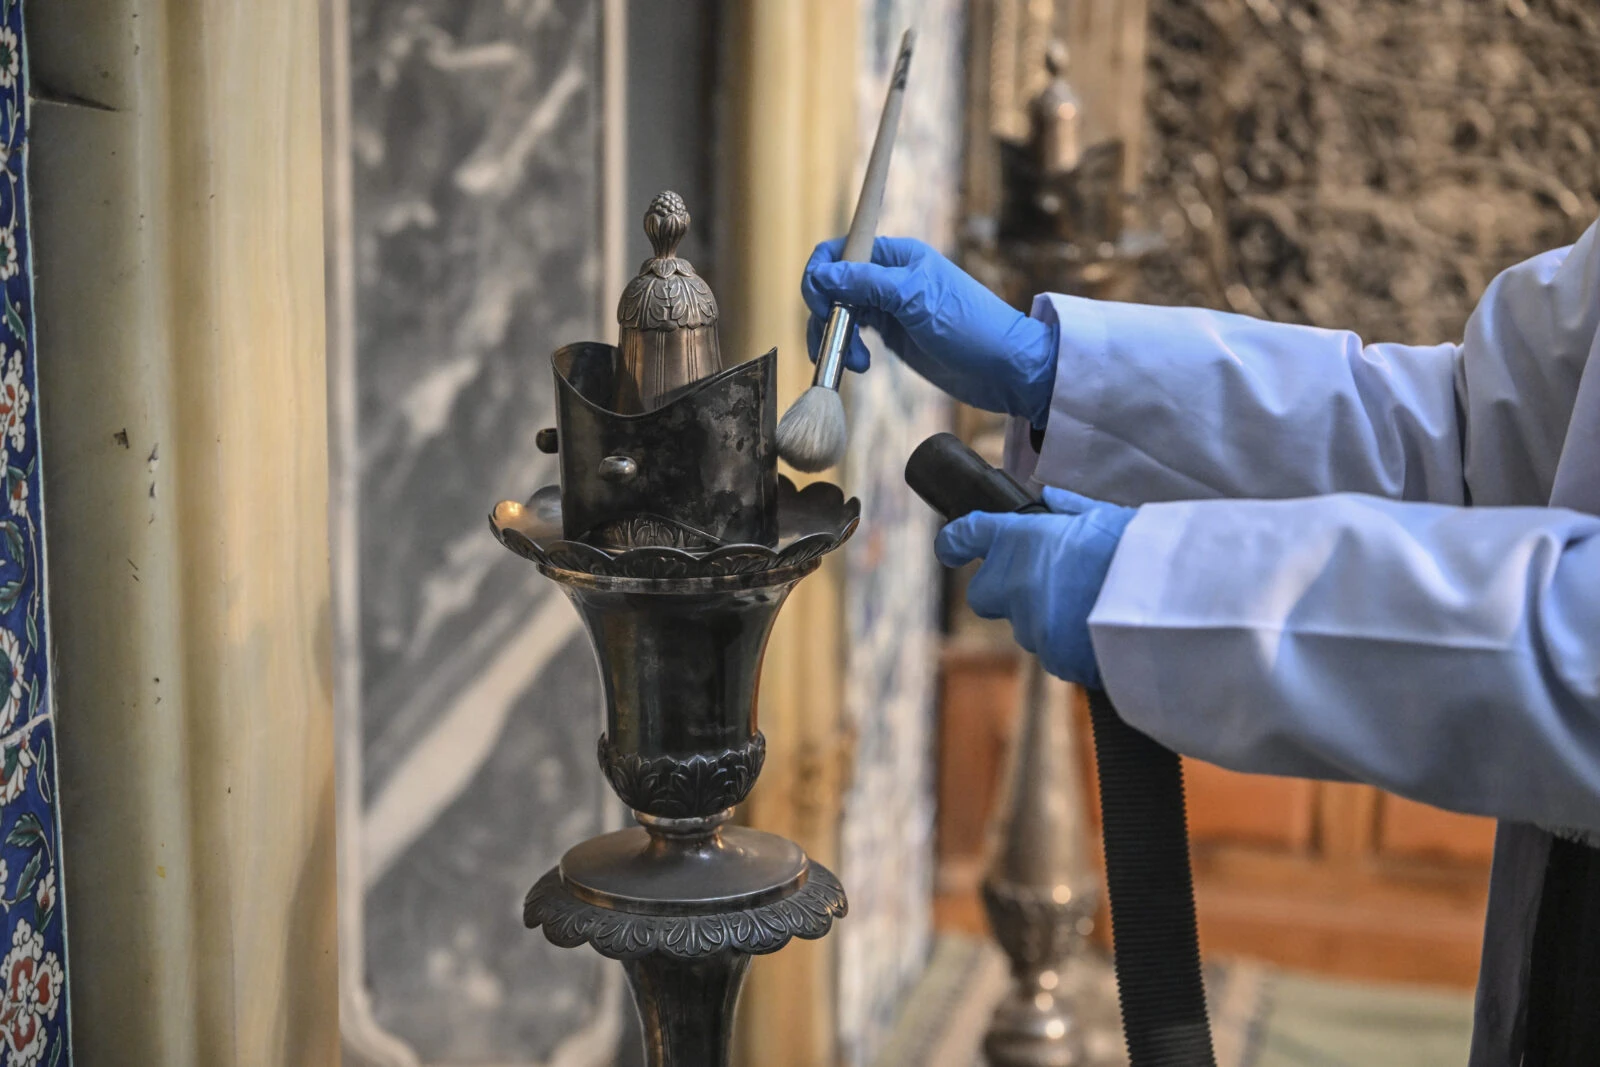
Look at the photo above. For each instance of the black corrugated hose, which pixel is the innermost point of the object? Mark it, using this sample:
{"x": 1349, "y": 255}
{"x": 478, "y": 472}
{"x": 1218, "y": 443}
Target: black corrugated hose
{"x": 1154, "y": 936}
{"x": 1563, "y": 1022}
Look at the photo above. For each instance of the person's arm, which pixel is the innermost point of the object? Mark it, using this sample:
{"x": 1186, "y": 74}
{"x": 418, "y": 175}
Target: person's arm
{"x": 1447, "y": 654}
{"x": 1156, "y": 404}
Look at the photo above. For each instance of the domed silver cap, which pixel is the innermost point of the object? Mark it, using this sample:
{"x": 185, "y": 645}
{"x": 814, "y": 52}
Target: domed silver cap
{"x": 668, "y": 318}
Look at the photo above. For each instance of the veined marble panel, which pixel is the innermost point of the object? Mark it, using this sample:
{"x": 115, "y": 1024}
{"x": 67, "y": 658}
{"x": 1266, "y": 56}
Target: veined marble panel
{"x": 892, "y": 586}
{"x": 476, "y": 173}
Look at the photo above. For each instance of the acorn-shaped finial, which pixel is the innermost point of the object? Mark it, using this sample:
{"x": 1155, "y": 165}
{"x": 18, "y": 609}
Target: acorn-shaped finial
{"x": 665, "y": 224}
{"x": 1056, "y": 118}
{"x": 1056, "y": 58}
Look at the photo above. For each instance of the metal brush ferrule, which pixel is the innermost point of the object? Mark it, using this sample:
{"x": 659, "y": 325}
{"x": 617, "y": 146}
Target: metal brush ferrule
{"x": 835, "y": 343}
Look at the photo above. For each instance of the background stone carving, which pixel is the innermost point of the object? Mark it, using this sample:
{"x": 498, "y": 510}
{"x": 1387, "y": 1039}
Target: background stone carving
{"x": 1365, "y": 163}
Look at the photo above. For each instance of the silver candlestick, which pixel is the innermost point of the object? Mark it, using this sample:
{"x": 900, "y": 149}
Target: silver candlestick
{"x": 677, "y": 541}
{"x": 1040, "y": 888}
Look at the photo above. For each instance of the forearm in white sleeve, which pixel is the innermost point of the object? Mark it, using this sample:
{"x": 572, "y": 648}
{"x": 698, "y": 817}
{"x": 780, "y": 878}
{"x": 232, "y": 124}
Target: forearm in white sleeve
{"x": 1157, "y": 404}
{"x": 1450, "y": 655}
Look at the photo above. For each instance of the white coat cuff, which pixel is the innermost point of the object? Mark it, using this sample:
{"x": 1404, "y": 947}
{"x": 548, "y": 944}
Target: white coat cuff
{"x": 1081, "y": 349}
{"x": 1130, "y": 601}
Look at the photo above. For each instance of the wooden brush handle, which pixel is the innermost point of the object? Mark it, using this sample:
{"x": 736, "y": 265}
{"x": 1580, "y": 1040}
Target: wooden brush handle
{"x": 864, "y": 226}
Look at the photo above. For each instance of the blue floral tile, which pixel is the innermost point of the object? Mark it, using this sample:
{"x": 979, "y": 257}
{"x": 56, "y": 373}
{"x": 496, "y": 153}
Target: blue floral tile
{"x": 33, "y": 988}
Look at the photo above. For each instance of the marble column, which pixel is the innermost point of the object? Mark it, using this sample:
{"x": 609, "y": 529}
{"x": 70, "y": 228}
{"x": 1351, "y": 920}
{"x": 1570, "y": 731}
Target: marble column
{"x": 177, "y": 172}
{"x": 468, "y": 240}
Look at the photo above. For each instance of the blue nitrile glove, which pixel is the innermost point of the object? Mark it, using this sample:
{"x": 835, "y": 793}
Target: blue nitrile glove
{"x": 941, "y": 321}
{"x": 1043, "y": 573}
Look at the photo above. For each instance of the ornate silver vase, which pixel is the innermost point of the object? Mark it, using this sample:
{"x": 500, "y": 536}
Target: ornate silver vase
{"x": 677, "y": 541}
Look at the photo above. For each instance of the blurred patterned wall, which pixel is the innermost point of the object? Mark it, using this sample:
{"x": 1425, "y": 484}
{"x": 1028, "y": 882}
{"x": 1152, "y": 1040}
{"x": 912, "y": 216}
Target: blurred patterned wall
{"x": 892, "y": 586}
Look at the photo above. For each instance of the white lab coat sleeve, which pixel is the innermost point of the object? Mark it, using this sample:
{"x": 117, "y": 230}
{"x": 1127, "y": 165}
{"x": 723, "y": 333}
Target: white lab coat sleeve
{"x": 1447, "y": 654}
{"x": 1158, "y": 403}
{"x": 1524, "y": 355}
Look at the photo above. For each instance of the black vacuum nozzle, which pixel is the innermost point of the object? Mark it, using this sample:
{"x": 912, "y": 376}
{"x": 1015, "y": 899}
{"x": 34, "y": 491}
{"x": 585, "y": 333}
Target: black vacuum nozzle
{"x": 954, "y": 480}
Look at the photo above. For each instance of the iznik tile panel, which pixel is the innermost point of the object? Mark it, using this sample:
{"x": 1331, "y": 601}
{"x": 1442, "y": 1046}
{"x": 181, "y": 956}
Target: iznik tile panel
{"x": 34, "y": 1028}
{"x": 476, "y": 159}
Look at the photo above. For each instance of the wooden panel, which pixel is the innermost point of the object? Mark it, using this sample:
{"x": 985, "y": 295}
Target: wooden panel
{"x": 1347, "y": 817}
{"x": 180, "y": 304}
{"x": 1227, "y": 806}
{"x": 1330, "y": 877}
{"x": 1409, "y": 922}
{"x": 1406, "y": 828}
{"x": 1106, "y": 41}
{"x": 977, "y": 704}
{"x": 790, "y": 84}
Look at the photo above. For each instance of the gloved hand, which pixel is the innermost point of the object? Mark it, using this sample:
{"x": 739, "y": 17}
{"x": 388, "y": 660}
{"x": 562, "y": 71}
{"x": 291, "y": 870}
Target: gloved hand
{"x": 941, "y": 321}
{"x": 1043, "y": 573}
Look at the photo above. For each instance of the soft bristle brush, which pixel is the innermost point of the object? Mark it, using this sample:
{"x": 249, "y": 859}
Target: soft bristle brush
{"x": 812, "y": 434}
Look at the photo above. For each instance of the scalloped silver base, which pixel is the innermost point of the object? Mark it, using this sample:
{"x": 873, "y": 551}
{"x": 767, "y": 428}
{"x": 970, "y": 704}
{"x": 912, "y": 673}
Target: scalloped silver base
{"x": 811, "y": 523}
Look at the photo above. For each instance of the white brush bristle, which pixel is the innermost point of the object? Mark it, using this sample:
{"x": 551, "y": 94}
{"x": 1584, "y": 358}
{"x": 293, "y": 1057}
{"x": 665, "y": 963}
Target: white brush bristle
{"x": 812, "y": 434}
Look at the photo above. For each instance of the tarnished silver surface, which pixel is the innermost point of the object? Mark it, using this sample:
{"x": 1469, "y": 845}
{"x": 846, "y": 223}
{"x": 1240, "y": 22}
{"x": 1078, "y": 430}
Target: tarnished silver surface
{"x": 1054, "y": 187}
{"x": 807, "y": 913}
{"x": 726, "y": 869}
{"x": 1055, "y": 118}
{"x": 679, "y": 663}
{"x": 704, "y": 460}
{"x": 1061, "y": 224}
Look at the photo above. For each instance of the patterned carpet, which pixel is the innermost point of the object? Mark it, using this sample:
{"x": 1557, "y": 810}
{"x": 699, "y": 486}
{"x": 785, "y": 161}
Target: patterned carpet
{"x": 1261, "y": 1016}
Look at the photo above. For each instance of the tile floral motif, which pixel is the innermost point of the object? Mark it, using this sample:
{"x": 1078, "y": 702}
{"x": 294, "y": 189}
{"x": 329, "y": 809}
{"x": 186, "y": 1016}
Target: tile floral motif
{"x": 33, "y": 989}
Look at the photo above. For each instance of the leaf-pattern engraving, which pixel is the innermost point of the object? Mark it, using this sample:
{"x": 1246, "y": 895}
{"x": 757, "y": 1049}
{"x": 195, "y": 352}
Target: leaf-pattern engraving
{"x": 683, "y": 787}
{"x": 648, "y": 531}
{"x": 666, "y": 294}
{"x": 808, "y": 913}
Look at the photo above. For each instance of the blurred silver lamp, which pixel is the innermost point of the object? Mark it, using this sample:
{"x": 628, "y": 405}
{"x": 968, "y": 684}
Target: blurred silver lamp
{"x": 677, "y": 541}
{"x": 1040, "y": 890}
{"x": 1061, "y": 215}
{"x": 1060, "y": 229}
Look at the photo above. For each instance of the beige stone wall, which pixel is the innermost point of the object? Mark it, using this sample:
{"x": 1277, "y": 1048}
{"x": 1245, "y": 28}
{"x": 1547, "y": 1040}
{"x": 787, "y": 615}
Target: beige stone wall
{"x": 176, "y": 174}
